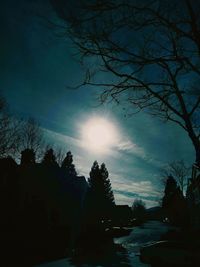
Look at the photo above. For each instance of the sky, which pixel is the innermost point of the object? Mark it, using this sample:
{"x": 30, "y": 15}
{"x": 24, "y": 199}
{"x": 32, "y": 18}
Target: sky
{"x": 37, "y": 67}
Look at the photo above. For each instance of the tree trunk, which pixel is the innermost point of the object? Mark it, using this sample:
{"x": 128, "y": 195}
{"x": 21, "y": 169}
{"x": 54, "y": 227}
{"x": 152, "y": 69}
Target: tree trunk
{"x": 196, "y": 144}
{"x": 194, "y": 138}
{"x": 197, "y": 149}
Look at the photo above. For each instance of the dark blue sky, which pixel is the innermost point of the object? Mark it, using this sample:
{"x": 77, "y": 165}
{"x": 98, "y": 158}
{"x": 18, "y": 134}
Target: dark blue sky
{"x": 36, "y": 67}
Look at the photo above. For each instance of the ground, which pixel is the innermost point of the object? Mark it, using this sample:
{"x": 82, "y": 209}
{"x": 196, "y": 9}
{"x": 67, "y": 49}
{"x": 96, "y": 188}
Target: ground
{"x": 129, "y": 254}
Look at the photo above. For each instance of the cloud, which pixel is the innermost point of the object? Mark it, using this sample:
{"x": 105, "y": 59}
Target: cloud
{"x": 82, "y": 163}
{"x": 129, "y": 147}
{"x": 122, "y": 199}
{"x": 124, "y": 146}
{"x": 61, "y": 138}
{"x": 125, "y": 189}
{"x": 143, "y": 188}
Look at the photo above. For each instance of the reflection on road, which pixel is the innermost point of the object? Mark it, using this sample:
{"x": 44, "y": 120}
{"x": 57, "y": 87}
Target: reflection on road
{"x": 140, "y": 236}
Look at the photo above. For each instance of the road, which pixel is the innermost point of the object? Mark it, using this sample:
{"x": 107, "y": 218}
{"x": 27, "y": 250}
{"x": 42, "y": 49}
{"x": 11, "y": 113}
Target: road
{"x": 128, "y": 256}
{"x": 140, "y": 236}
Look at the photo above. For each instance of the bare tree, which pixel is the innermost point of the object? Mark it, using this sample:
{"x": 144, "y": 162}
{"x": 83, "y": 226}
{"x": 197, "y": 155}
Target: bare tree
{"x": 9, "y": 131}
{"x": 150, "y": 50}
{"x": 31, "y": 136}
{"x": 179, "y": 171}
{"x": 60, "y": 155}
{"x": 17, "y": 135}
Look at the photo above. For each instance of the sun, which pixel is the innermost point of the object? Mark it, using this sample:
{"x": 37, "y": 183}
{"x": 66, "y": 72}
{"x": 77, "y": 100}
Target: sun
{"x": 99, "y": 135}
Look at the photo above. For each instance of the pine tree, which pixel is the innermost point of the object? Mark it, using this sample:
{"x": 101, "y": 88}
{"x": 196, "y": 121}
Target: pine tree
{"x": 49, "y": 158}
{"x": 101, "y": 194}
{"x": 108, "y": 193}
{"x": 94, "y": 176}
{"x": 27, "y": 157}
{"x": 174, "y": 203}
{"x": 68, "y": 165}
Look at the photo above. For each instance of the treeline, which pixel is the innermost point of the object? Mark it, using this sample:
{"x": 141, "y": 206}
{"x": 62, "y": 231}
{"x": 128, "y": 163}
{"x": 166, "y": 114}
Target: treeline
{"x": 49, "y": 208}
{"x": 46, "y": 208}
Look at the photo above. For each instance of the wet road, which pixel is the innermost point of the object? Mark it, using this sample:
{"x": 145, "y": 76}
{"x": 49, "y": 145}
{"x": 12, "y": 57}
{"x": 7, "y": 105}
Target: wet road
{"x": 128, "y": 256}
{"x": 140, "y": 236}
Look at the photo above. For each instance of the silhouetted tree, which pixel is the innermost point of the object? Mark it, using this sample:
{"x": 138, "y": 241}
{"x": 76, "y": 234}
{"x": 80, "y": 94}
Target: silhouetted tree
{"x": 139, "y": 209}
{"x": 17, "y": 135}
{"x": 27, "y": 157}
{"x": 179, "y": 170}
{"x": 60, "y": 155}
{"x": 49, "y": 158}
{"x": 9, "y": 205}
{"x": 174, "y": 203}
{"x": 101, "y": 194}
{"x": 170, "y": 187}
{"x": 150, "y": 50}
{"x": 9, "y": 131}
{"x": 109, "y": 196}
{"x": 31, "y": 135}
{"x": 68, "y": 165}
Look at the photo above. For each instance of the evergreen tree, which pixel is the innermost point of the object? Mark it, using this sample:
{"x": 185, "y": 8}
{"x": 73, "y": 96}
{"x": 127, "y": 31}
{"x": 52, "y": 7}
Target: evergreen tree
{"x": 174, "y": 203}
{"x": 108, "y": 193}
{"x": 49, "y": 158}
{"x": 68, "y": 165}
{"x": 27, "y": 157}
{"x": 94, "y": 176}
{"x": 101, "y": 194}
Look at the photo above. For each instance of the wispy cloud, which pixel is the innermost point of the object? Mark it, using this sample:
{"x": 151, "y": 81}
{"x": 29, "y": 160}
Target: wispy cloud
{"x": 61, "y": 138}
{"x": 142, "y": 188}
{"x": 125, "y": 189}
{"x": 122, "y": 199}
{"x": 129, "y": 147}
{"x": 123, "y": 146}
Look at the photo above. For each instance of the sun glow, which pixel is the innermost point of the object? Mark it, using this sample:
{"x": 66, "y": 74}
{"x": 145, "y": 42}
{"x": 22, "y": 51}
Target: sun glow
{"x": 99, "y": 135}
